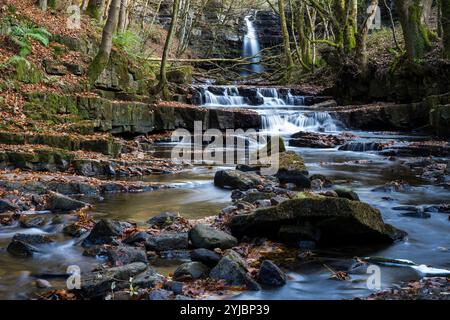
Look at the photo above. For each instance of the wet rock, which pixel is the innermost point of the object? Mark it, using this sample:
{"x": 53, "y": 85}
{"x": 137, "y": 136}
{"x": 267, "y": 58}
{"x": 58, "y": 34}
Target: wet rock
{"x": 147, "y": 279}
{"x": 163, "y": 219}
{"x": 168, "y": 241}
{"x": 231, "y": 268}
{"x": 174, "y": 286}
{"x": 232, "y": 179}
{"x": 357, "y": 146}
{"x": 123, "y": 255}
{"x": 316, "y": 140}
{"x": 21, "y": 249}
{"x": 5, "y": 205}
{"x": 205, "y": 256}
{"x": 339, "y": 220}
{"x": 228, "y": 210}
{"x": 105, "y": 231}
{"x": 292, "y": 169}
{"x": 277, "y": 200}
{"x": 191, "y": 271}
{"x": 161, "y": 294}
{"x": 33, "y": 221}
{"x": 347, "y": 194}
{"x": 97, "y": 285}
{"x": 74, "y": 230}
{"x": 33, "y": 239}
{"x": 203, "y": 236}
{"x": 59, "y": 202}
{"x": 444, "y": 208}
{"x": 42, "y": 284}
{"x": 136, "y": 238}
{"x": 270, "y": 274}
{"x": 326, "y": 182}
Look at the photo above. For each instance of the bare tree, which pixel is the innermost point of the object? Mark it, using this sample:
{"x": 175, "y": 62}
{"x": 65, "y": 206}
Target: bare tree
{"x": 163, "y": 83}
{"x": 102, "y": 58}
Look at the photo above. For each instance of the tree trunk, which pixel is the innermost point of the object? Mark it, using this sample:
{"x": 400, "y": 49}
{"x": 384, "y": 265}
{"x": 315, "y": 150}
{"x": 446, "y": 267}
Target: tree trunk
{"x": 445, "y": 25}
{"x": 286, "y": 39}
{"x": 415, "y": 32}
{"x": 95, "y": 9}
{"x": 122, "y": 16}
{"x": 162, "y": 85}
{"x": 351, "y": 25}
{"x": 361, "y": 43}
{"x": 102, "y": 58}
{"x": 43, "y": 5}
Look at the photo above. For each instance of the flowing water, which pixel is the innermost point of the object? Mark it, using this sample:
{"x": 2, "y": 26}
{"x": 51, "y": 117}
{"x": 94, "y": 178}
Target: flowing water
{"x": 194, "y": 196}
{"x": 251, "y": 49}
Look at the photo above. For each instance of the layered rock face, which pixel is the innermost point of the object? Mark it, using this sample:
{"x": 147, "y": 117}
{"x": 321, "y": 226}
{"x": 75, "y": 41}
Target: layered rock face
{"x": 268, "y": 27}
{"x": 135, "y": 117}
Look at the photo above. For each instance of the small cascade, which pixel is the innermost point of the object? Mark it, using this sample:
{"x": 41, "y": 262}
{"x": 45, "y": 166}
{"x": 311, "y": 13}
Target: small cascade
{"x": 281, "y": 110}
{"x": 252, "y": 49}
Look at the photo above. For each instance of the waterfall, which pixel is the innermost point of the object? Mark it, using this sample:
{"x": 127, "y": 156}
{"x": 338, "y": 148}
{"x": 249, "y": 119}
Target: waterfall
{"x": 251, "y": 49}
{"x": 282, "y": 112}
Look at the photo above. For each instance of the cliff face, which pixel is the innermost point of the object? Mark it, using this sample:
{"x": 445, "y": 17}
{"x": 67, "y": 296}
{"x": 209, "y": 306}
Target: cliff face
{"x": 268, "y": 27}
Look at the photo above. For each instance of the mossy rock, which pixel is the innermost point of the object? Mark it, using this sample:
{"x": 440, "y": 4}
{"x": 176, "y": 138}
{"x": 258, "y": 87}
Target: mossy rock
{"x": 180, "y": 75}
{"x": 339, "y": 221}
{"x": 291, "y": 161}
{"x": 26, "y": 72}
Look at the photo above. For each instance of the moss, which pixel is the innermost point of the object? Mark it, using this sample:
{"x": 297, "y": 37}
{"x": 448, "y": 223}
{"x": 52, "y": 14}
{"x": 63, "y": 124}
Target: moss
{"x": 291, "y": 161}
{"x": 26, "y": 72}
{"x": 180, "y": 75}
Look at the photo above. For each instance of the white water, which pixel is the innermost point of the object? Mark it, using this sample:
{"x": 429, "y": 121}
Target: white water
{"x": 252, "y": 49}
{"x": 282, "y": 112}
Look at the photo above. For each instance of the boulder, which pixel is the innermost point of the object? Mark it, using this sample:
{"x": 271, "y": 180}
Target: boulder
{"x": 98, "y": 285}
{"x": 203, "y": 236}
{"x": 292, "y": 169}
{"x": 339, "y": 221}
{"x": 33, "y": 221}
{"x": 168, "y": 241}
{"x": 147, "y": 279}
{"x": 74, "y": 230}
{"x": 205, "y": 256}
{"x": 33, "y": 239}
{"x": 316, "y": 140}
{"x": 59, "y": 202}
{"x": 231, "y": 268}
{"x": 232, "y": 179}
{"x": 161, "y": 294}
{"x": 191, "y": 271}
{"x": 163, "y": 219}
{"x": 104, "y": 232}
{"x": 123, "y": 255}
{"x": 21, "y": 249}
{"x": 347, "y": 194}
{"x": 136, "y": 238}
{"x": 270, "y": 274}
{"x": 5, "y": 205}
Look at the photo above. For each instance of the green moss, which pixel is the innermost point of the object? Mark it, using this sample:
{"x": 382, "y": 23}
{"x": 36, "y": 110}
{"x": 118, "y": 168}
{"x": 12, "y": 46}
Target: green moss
{"x": 180, "y": 75}
{"x": 25, "y": 71}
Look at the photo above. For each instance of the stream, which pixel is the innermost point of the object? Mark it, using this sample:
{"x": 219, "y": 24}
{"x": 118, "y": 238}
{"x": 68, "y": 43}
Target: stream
{"x": 194, "y": 196}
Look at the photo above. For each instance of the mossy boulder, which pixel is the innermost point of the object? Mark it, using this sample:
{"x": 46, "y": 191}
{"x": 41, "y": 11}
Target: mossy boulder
{"x": 26, "y": 71}
{"x": 180, "y": 75}
{"x": 337, "y": 220}
{"x": 292, "y": 169}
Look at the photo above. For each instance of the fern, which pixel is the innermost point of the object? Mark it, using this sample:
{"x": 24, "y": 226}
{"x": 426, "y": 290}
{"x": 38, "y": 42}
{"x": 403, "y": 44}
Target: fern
{"x": 21, "y": 36}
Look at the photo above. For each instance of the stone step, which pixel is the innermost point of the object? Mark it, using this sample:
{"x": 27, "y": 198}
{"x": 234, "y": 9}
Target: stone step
{"x": 133, "y": 117}
{"x": 104, "y": 145}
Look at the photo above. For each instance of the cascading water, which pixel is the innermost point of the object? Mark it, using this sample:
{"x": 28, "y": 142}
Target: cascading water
{"x": 282, "y": 111}
{"x": 252, "y": 49}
